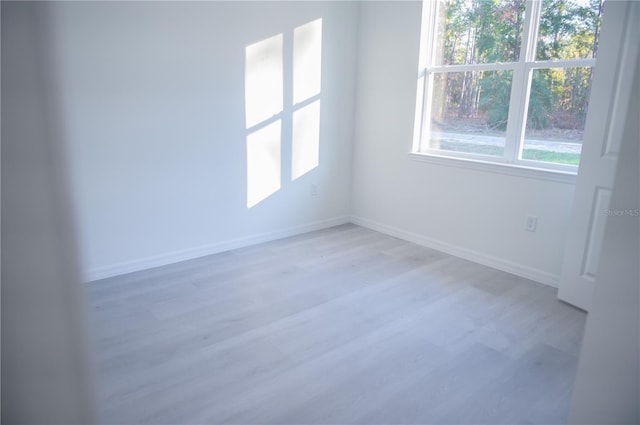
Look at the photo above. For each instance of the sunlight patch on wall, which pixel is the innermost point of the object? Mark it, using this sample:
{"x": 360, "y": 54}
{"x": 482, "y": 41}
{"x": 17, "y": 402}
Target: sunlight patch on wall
{"x": 263, "y": 163}
{"x": 263, "y": 80}
{"x": 306, "y": 139}
{"x": 307, "y": 61}
{"x": 263, "y": 115}
{"x": 307, "y": 78}
{"x": 267, "y": 109}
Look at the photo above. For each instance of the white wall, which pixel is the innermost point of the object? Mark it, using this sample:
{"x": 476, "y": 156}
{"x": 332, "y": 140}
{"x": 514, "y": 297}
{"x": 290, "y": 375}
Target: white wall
{"x": 473, "y": 214}
{"x": 153, "y": 111}
{"x": 607, "y": 388}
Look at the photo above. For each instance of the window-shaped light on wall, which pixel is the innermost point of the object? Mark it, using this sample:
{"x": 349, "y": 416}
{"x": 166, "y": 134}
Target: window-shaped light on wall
{"x": 263, "y": 163}
{"x": 307, "y": 61}
{"x": 263, "y": 80}
{"x": 306, "y": 139}
{"x": 307, "y": 77}
{"x": 263, "y": 115}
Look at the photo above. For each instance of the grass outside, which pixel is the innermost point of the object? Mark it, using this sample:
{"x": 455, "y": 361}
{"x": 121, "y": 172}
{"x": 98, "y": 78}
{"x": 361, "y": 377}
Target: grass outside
{"x": 530, "y": 154}
{"x": 555, "y": 157}
{"x": 478, "y": 125}
{"x": 491, "y": 150}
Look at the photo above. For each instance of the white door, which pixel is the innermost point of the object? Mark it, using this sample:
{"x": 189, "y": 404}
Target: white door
{"x": 608, "y": 105}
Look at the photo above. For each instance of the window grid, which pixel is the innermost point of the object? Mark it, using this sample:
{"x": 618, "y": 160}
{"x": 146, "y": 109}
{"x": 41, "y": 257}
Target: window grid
{"x": 520, "y": 88}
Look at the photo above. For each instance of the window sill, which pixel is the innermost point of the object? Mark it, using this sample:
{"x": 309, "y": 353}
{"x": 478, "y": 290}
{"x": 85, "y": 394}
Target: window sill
{"x": 497, "y": 167}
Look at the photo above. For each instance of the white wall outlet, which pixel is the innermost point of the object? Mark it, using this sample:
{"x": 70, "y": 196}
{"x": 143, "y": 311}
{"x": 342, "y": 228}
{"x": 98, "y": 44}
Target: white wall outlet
{"x": 314, "y": 189}
{"x": 532, "y": 223}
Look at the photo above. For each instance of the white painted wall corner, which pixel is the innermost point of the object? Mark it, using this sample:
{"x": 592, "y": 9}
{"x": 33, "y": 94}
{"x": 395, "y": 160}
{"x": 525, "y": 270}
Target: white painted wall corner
{"x": 209, "y": 249}
{"x": 471, "y": 255}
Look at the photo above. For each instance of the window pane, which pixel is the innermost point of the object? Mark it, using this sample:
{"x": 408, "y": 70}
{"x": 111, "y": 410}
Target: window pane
{"x": 472, "y": 31}
{"x": 556, "y": 115}
{"x": 469, "y": 111}
{"x": 569, "y": 29}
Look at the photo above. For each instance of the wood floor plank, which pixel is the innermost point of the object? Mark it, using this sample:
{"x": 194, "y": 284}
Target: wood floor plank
{"x": 342, "y": 325}
{"x": 534, "y": 389}
{"x": 428, "y": 397}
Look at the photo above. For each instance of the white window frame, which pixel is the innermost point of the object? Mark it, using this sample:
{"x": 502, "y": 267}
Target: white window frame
{"x": 522, "y": 72}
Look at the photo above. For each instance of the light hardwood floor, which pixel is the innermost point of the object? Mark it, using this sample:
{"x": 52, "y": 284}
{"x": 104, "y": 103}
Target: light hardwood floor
{"x": 342, "y": 325}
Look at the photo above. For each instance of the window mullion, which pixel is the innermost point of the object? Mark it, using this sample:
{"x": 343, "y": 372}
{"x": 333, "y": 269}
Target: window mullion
{"x": 494, "y": 66}
{"x": 530, "y": 34}
{"x": 521, "y": 83}
{"x": 564, "y": 63}
{"x": 426, "y": 114}
{"x": 427, "y": 51}
{"x": 514, "y": 117}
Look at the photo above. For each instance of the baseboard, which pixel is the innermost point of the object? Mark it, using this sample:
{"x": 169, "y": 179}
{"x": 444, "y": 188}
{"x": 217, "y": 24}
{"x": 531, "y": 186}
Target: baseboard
{"x": 471, "y": 255}
{"x": 201, "y": 251}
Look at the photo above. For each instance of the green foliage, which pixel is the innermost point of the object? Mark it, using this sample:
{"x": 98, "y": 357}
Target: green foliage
{"x": 488, "y": 31}
{"x": 495, "y": 102}
{"x": 547, "y": 156}
{"x": 482, "y": 31}
{"x": 481, "y": 149}
{"x": 530, "y": 154}
{"x": 540, "y": 100}
{"x": 568, "y": 29}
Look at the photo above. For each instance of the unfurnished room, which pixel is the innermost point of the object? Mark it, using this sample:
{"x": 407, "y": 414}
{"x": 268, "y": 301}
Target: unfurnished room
{"x": 320, "y": 212}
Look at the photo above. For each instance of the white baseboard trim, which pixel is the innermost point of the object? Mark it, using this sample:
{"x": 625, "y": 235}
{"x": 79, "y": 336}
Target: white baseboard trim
{"x": 457, "y": 251}
{"x": 201, "y": 251}
{"x": 204, "y": 250}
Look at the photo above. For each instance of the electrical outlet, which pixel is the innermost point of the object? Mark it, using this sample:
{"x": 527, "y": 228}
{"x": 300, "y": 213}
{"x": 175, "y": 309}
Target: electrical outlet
{"x": 532, "y": 223}
{"x": 314, "y": 189}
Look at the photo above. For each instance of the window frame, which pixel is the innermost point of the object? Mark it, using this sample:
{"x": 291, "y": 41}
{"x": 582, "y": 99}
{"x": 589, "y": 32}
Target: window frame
{"x": 522, "y": 72}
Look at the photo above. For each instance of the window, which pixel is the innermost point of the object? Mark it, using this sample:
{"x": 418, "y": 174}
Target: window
{"x": 506, "y": 80}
